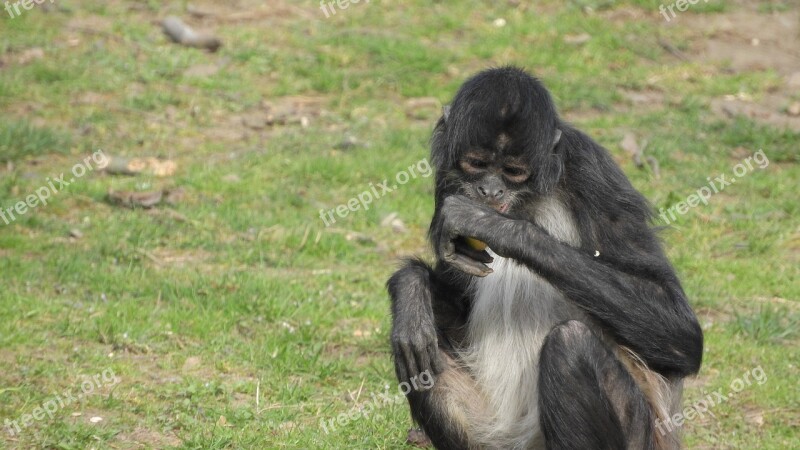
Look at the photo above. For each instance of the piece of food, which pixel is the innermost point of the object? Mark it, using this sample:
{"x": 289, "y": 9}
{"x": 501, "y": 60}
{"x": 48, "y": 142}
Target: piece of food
{"x": 476, "y": 244}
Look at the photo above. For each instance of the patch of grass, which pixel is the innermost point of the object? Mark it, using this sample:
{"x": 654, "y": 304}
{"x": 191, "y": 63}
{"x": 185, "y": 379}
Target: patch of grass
{"x": 235, "y": 318}
{"x": 19, "y": 139}
{"x": 768, "y": 324}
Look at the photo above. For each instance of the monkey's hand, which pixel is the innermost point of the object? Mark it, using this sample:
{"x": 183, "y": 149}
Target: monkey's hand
{"x": 464, "y": 218}
{"x": 414, "y": 342}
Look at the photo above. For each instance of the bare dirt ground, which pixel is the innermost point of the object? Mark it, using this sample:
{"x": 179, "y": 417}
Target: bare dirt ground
{"x": 746, "y": 40}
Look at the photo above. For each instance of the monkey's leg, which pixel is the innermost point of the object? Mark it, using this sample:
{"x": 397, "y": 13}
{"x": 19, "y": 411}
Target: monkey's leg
{"x": 421, "y": 315}
{"x": 587, "y": 398}
{"x": 443, "y": 411}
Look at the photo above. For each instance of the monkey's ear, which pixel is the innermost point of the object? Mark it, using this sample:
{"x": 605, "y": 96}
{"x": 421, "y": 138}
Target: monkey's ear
{"x": 557, "y": 139}
{"x": 446, "y": 112}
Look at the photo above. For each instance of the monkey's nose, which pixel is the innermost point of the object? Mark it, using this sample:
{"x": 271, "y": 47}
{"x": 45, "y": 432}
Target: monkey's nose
{"x": 491, "y": 193}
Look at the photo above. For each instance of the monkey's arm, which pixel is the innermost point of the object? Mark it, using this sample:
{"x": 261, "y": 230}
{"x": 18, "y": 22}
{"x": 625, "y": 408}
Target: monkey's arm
{"x": 651, "y": 316}
{"x": 429, "y": 312}
{"x": 645, "y": 309}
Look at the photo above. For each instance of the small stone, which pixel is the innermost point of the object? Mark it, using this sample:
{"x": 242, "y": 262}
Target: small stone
{"x": 393, "y": 221}
{"x": 577, "y": 39}
{"x": 347, "y": 143}
{"x": 256, "y": 121}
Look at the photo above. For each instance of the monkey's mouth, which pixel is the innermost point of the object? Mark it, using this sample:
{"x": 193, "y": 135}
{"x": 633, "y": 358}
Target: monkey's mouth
{"x": 502, "y": 208}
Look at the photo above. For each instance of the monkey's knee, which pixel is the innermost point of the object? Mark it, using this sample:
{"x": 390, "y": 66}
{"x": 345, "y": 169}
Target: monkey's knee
{"x": 570, "y": 356}
{"x": 573, "y": 355}
{"x": 571, "y": 341}
{"x": 571, "y": 331}
{"x": 583, "y": 386}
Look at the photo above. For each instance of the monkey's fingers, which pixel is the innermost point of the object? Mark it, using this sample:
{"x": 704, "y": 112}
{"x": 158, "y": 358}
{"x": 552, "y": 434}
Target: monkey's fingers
{"x": 424, "y": 361}
{"x": 468, "y": 265}
{"x": 437, "y": 362}
{"x": 429, "y": 361}
{"x": 400, "y": 368}
{"x": 410, "y": 362}
{"x": 478, "y": 255}
{"x": 461, "y": 261}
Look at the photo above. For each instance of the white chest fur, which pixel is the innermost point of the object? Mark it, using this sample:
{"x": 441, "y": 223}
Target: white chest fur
{"x": 514, "y": 310}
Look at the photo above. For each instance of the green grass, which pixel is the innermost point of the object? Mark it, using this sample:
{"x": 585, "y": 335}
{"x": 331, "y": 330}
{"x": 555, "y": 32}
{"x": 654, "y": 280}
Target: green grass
{"x": 768, "y": 324}
{"x": 20, "y": 139}
{"x": 239, "y": 289}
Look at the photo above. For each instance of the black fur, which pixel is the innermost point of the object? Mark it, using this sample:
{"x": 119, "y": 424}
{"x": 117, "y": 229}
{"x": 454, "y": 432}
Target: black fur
{"x": 629, "y": 290}
{"x": 602, "y": 419}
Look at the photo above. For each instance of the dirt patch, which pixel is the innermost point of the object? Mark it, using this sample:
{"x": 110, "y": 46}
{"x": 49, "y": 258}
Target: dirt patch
{"x": 648, "y": 98}
{"x": 776, "y": 110}
{"x": 266, "y": 118}
{"x": 142, "y": 438}
{"x": 248, "y": 11}
{"x": 713, "y": 316}
{"x": 745, "y": 40}
{"x": 180, "y": 258}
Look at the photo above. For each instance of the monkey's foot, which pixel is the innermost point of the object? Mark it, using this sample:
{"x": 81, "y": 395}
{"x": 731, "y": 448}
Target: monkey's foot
{"x": 418, "y": 438}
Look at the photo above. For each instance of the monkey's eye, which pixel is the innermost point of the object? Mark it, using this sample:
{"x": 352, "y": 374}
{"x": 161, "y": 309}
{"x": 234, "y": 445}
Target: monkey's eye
{"x": 516, "y": 174}
{"x": 474, "y": 165}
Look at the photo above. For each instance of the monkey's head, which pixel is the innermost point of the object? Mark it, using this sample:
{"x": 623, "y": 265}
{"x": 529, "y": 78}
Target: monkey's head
{"x": 497, "y": 141}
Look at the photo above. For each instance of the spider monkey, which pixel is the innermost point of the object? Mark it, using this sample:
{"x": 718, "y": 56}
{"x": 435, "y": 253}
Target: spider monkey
{"x": 571, "y": 330}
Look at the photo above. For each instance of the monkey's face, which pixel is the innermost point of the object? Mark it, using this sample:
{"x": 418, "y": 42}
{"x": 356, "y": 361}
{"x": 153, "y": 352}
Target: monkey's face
{"x": 494, "y": 177}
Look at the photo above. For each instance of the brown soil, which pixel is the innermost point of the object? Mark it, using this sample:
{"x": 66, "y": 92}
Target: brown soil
{"x": 746, "y": 40}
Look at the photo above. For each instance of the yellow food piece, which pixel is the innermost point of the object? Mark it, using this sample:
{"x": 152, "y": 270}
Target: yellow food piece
{"x": 476, "y": 244}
